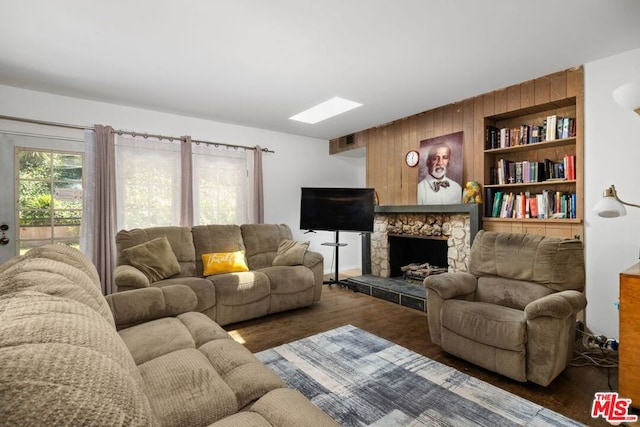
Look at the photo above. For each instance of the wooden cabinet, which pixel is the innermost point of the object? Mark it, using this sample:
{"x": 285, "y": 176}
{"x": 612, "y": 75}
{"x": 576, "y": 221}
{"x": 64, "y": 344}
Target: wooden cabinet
{"x": 522, "y": 154}
{"x": 629, "y": 352}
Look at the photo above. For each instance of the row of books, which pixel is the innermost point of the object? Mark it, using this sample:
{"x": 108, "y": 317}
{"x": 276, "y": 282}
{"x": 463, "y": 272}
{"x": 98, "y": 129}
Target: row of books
{"x": 548, "y": 204}
{"x": 513, "y": 172}
{"x": 553, "y": 127}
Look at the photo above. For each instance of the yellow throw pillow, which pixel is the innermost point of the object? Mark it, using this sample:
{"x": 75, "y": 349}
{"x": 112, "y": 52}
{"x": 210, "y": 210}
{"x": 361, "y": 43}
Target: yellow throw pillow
{"x": 224, "y": 262}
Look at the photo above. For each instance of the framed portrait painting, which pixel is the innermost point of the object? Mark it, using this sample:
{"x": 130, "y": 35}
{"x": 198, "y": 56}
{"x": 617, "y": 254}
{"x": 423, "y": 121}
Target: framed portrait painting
{"x": 440, "y": 174}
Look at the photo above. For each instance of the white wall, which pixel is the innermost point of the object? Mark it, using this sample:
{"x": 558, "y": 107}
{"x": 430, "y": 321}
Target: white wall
{"x": 298, "y": 161}
{"x": 612, "y": 156}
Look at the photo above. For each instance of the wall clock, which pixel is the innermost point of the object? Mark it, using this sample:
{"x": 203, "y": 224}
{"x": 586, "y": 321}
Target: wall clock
{"x": 412, "y": 158}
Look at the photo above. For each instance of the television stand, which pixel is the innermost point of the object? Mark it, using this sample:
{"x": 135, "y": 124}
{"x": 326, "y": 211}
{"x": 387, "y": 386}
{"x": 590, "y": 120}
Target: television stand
{"x": 336, "y": 244}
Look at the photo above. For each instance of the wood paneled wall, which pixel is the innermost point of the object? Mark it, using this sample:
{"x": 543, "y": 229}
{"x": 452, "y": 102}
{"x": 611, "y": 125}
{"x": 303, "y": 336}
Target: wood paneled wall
{"x": 387, "y": 145}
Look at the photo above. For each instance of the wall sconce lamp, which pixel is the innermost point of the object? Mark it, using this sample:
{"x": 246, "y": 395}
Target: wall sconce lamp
{"x": 628, "y": 95}
{"x": 610, "y": 206}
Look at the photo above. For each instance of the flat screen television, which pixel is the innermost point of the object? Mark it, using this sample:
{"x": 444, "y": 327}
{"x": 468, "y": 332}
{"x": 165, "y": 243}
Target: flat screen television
{"x": 337, "y": 209}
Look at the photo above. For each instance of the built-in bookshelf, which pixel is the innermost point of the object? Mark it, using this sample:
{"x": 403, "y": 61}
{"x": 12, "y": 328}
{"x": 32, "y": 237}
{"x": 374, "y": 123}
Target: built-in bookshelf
{"x": 533, "y": 167}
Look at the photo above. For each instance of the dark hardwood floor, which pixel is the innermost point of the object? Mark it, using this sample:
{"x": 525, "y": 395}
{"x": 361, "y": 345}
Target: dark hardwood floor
{"x": 570, "y": 394}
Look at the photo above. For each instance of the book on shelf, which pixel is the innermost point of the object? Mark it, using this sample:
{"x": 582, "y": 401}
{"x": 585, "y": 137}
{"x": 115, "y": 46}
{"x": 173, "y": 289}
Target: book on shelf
{"x": 505, "y": 137}
{"x": 533, "y": 206}
{"x": 525, "y": 134}
{"x": 491, "y": 138}
{"x": 518, "y": 172}
{"x": 515, "y": 137}
{"x": 559, "y": 126}
{"x": 569, "y": 162}
{"x": 545, "y": 205}
{"x": 536, "y": 132}
{"x": 551, "y": 127}
{"x": 489, "y": 196}
{"x": 564, "y": 132}
{"x": 497, "y": 203}
{"x": 527, "y": 171}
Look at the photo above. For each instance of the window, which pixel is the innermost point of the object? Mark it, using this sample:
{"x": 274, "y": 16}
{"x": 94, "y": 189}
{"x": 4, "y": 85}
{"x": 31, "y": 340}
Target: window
{"x": 49, "y": 189}
{"x": 148, "y": 181}
{"x": 220, "y": 185}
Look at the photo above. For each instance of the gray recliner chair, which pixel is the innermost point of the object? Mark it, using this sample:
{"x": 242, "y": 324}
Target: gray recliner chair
{"x": 514, "y": 312}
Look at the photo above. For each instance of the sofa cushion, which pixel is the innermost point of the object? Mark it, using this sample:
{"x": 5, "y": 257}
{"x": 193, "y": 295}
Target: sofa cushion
{"x": 179, "y": 238}
{"x": 509, "y": 292}
{"x": 199, "y": 285}
{"x": 215, "y": 238}
{"x": 245, "y": 375}
{"x": 55, "y": 270}
{"x": 185, "y": 390}
{"x": 289, "y": 280}
{"x": 210, "y": 375}
{"x": 550, "y": 261}
{"x": 240, "y": 288}
{"x": 151, "y": 340}
{"x": 261, "y": 242}
{"x": 223, "y": 262}
{"x": 489, "y": 324}
{"x": 154, "y": 258}
{"x": 283, "y": 407}
{"x": 290, "y": 252}
{"x": 62, "y": 362}
{"x": 143, "y": 305}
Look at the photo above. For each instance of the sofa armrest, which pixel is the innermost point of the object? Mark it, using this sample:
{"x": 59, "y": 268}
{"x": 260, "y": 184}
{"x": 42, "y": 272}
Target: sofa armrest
{"x": 315, "y": 262}
{"x": 142, "y": 305}
{"x": 559, "y": 305}
{"x": 311, "y": 259}
{"x": 551, "y": 324}
{"x": 451, "y": 285}
{"x": 129, "y": 277}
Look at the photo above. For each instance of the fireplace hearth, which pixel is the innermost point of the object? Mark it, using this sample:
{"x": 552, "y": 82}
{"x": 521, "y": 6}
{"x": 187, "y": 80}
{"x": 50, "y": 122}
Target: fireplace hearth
{"x": 453, "y": 227}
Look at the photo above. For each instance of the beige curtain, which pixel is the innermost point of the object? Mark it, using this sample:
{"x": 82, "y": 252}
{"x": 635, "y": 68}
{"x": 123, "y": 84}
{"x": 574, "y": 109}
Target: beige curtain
{"x": 104, "y": 207}
{"x": 258, "y": 194}
{"x": 186, "y": 183}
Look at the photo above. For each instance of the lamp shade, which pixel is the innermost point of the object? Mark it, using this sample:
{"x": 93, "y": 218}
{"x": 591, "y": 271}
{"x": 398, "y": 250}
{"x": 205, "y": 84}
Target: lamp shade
{"x": 609, "y": 207}
{"x": 628, "y": 95}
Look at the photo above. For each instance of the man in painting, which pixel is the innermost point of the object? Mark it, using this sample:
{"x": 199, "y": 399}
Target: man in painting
{"x": 436, "y": 188}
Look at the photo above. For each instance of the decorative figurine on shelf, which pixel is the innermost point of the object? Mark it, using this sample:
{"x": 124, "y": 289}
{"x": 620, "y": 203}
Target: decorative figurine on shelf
{"x": 472, "y": 193}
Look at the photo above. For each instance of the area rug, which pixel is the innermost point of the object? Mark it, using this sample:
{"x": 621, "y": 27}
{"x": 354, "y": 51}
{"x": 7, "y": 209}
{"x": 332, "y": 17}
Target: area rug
{"x": 360, "y": 379}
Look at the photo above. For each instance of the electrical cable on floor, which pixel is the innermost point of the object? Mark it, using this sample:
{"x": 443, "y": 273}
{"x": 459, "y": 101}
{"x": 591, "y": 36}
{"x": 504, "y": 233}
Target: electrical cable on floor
{"x": 592, "y": 350}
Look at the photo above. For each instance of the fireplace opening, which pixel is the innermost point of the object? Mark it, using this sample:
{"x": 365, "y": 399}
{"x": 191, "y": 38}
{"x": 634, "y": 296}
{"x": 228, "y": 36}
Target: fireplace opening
{"x": 406, "y": 249}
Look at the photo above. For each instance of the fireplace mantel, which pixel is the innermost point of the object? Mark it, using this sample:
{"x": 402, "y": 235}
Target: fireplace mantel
{"x": 473, "y": 209}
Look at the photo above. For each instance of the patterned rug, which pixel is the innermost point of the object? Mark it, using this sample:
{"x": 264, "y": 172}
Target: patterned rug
{"x": 363, "y": 380}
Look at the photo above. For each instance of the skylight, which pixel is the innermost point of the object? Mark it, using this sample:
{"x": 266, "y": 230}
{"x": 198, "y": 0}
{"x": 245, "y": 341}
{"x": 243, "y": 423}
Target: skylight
{"x": 327, "y": 109}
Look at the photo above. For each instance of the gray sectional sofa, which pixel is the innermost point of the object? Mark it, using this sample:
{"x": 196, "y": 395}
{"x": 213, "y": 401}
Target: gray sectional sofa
{"x": 281, "y": 274}
{"x": 70, "y": 356}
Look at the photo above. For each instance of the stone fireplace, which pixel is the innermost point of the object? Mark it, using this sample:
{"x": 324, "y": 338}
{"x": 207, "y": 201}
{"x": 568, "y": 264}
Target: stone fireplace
{"x": 445, "y": 233}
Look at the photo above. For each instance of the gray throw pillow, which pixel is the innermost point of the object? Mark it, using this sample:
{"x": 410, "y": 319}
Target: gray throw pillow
{"x": 290, "y": 252}
{"x": 154, "y": 258}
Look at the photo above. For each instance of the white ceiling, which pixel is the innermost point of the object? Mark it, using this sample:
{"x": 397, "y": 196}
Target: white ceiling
{"x": 258, "y": 62}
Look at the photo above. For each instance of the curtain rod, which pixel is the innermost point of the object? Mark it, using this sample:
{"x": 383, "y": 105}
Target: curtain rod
{"x": 42, "y": 122}
{"x": 125, "y": 132}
